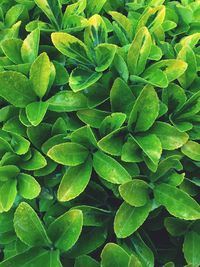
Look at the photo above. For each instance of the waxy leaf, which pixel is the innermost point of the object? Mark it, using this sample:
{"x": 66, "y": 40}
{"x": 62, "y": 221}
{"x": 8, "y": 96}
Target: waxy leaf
{"x": 28, "y": 226}
{"x": 113, "y": 142}
{"x": 81, "y": 78}
{"x": 112, "y": 123}
{"x": 84, "y": 136}
{"x": 75, "y": 181}
{"x": 33, "y": 257}
{"x": 36, "y": 111}
{"x": 170, "y": 69}
{"x": 28, "y": 187}
{"x": 94, "y": 7}
{"x": 121, "y": 97}
{"x": 113, "y": 254}
{"x": 139, "y": 51}
{"x": 192, "y": 150}
{"x": 191, "y": 248}
{"x": 40, "y": 74}
{"x": 85, "y": 260}
{"x": 71, "y": 154}
{"x": 186, "y": 54}
{"x": 36, "y": 161}
{"x": 152, "y": 149}
{"x": 48, "y": 8}
{"x": 72, "y": 47}
{"x": 66, "y": 229}
{"x": 8, "y": 193}
{"x": 16, "y": 89}
{"x": 131, "y": 152}
{"x": 92, "y": 117}
{"x": 135, "y": 192}
{"x": 104, "y": 56}
{"x": 67, "y": 101}
{"x": 128, "y": 219}
{"x": 177, "y": 202}
{"x": 30, "y": 46}
{"x": 12, "y": 49}
{"x": 145, "y": 110}
{"x": 134, "y": 262}
{"x": 144, "y": 253}
{"x": 169, "y": 136}
{"x": 112, "y": 171}
{"x": 96, "y": 32}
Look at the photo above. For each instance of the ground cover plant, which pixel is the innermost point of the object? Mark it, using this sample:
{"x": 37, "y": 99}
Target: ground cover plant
{"x": 99, "y": 133}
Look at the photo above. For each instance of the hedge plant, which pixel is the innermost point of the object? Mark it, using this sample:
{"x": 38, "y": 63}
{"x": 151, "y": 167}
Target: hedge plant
{"x": 99, "y": 133}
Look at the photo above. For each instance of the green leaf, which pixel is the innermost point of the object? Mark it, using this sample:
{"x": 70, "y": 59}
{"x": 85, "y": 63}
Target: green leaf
{"x": 152, "y": 149}
{"x": 174, "y": 97}
{"x": 40, "y": 74}
{"x": 96, "y": 32}
{"x": 90, "y": 240}
{"x": 71, "y": 47}
{"x": 169, "y": 136}
{"x": 13, "y": 14}
{"x": 19, "y": 144}
{"x": 8, "y": 193}
{"x": 112, "y": 122}
{"x": 36, "y": 111}
{"x": 192, "y": 150}
{"x": 45, "y": 6}
{"x": 28, "y": 227}
{"x": 36, "y": 162}
{"x": 84, "y": 136}
{"x": 94, "y": 7}
{"x": 93, "y": 216}
{"x": 29, "y": 188}
{"x": 70, "y": 154}
{"x": 135, "y": 192}
{"x": 8, "y": 171}
{"x": 186, "y": 54}
{"x": 165, "y": 71}
{"x": 112, "y": 171}
{"x": 66, "y": 229}
{"x": 30, "y": 46}
{"x": 15, "y": 88}
{"x": 123, "y": 23}
{"x": 75, "y": 181}
{"x": 139, "y": 51}
{"x": 191, "y": 248}
{"x": 134, "y": 262}
{"x": 177, "y": 202}
{"x": 92, "y": 117}
{"x": 144, "y": 253}
{"x": 12, "y": 49}
{"x": 85, "y": 260}
{"x": 104, "y": 55}
{"x": 175, "y": 226}
{"x": 128, "y": 219}
{"x": 145, "y": 110}
{"x": 121, "y": 97}
{"x": 29, "y": 257}
{"x": 113, "y": 255}
{"x": 81, "y": 78}
{"x": 131, "y": 152}
{"x": 67, "y": 101}
{"x": 62, "y": 75}
{"x": 113, "y": 142}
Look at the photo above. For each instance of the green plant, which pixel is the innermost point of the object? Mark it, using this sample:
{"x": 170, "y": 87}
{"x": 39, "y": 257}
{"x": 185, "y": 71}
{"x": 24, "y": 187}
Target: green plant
{"x": 99, "y": 133}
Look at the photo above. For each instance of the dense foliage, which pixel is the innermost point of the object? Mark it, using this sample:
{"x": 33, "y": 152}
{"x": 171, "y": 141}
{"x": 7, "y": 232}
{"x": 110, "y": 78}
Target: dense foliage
{"x": 99, "y": 133}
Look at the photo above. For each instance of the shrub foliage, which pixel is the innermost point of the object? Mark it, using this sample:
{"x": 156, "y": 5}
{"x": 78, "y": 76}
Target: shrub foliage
{"x": 99, "y": 133}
